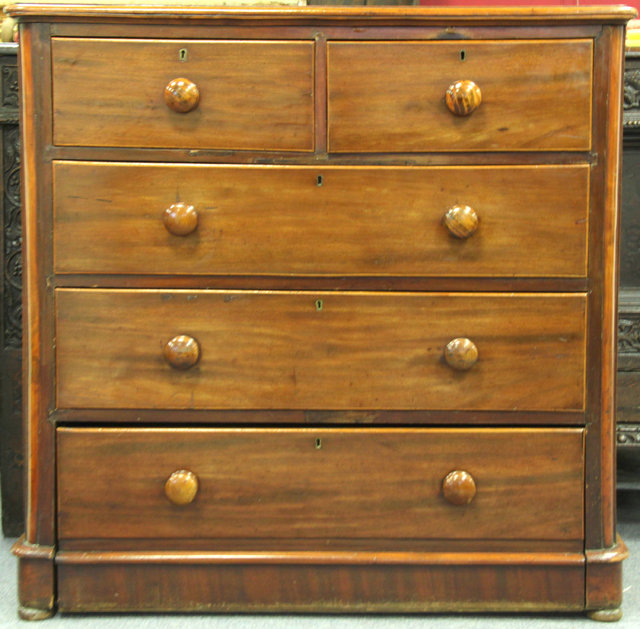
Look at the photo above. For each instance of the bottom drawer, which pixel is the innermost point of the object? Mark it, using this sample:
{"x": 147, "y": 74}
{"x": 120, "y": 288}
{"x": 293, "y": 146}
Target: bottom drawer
{"x": 311, "y": 485}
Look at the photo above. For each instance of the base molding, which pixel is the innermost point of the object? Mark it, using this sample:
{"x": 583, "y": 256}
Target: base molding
{"x": 28, "y": 613}
{"x": 604, "y": 580}
{"x": 36, "y": 580}
{"x": 235, "y": 582}
{"x": 605, "y": 615}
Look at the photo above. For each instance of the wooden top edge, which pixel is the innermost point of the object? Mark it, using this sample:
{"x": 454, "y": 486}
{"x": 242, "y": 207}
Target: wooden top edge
{"x": 98, "y": 12}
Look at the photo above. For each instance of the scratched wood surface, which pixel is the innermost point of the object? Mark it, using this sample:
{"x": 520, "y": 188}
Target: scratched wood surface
{"x": 253, "y": 94}
{"x": 516, "y": 585}
{"x": 398, "y": 105}
{"x": 348, "y": 483}
{"x": 320, "y": 220}
{"x": 319, "y": 350}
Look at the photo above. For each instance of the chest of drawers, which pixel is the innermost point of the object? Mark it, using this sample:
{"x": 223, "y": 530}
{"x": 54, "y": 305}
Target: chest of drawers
{"x": 320, "y": 309}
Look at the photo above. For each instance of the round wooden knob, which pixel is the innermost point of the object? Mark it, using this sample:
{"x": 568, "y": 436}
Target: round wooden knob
{"x": 461, "y": 221}
{"x": 458, "y": 487}
{"x": 181, "y": 95}
{"x": 181, "y": 487}
{"x": 182, "y": 352}
{"x": 180, "y": 219}
{"x": 463, "y": 97}
{"x": 461, "y": 354}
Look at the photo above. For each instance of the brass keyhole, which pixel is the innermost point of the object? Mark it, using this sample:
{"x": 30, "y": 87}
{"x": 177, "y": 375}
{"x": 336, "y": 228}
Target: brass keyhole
{"x": 318, "y": 444}
{"x": 319, "y": 304}
{"x": 182, "y": 54}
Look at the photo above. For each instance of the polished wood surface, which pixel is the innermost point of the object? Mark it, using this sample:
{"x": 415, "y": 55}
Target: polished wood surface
{"x": 459, "y": 487}
{"x": 321, "y": 284}
{"x": 277, "y": 75}
{"x": 181, "y": 487}
{"x": 348, "y": 483}
{"x": 182, "y": 352}
{"x": 181, "y": 95}
{"x": 461, "y": 354}
{"x": 461, "y": 221}
{"x": 399, "y": 106}
{"x": 315, "y": 350}
{"x": 463, "y": 97}
{"x": 492, "y": 16}
{"x": 180, "y": 219}
{"x": 382, "y": 221}
{"x": 340, "y": 586}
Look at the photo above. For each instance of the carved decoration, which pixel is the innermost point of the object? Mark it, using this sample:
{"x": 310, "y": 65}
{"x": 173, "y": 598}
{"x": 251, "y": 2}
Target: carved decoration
{"x": 12, "y": 288}
{"x": 11, "y": 444}
{"x": 628, "y": 434}
{"x": 631, "y": 102}
{"x": 629, "y": 334}
{"x": 631, "y": 89}
{"x": 10, "y": 86}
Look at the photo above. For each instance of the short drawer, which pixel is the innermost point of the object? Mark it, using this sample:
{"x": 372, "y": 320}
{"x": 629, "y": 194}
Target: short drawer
{"x": 390, "y": 96}
{"x": 319, "y": 350}
{"x": 250, "y": 94}
{"x": 320, "y": 484}
{"x": 335, "y": 220}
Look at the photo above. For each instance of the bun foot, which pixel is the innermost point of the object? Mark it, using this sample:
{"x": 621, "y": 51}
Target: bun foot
{"x": 605, "y": 615}
{"x": 31, "y": 613}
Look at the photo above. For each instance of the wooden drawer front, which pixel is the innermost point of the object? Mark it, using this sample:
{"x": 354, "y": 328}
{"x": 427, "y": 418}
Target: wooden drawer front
{"x": 320, "y": 484}
{"x": 360, "y": 220}
{"x": 324, "y": 350}
{"x": 389, "y": 96}
{"x": 252, "y": 95}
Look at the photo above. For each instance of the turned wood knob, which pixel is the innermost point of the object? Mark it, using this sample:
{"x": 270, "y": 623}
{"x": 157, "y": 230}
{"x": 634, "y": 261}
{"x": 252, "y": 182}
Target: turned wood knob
{"x": 181, "y": 95}
{"x": 458, "y": 487}
{"x": 180, "y": 219}
{"x": 463, "y": 97}
{"x": 182, "y": 352}
{"x": 461, "y": 354}
{"x": 181, "y": 487}
{"x": 461, "y": 221}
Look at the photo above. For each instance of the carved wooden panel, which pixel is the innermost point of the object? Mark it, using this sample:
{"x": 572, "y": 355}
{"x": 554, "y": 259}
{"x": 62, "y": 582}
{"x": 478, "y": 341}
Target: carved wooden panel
{"x": 628, "y": 429}
{"x": 11, "y": 454}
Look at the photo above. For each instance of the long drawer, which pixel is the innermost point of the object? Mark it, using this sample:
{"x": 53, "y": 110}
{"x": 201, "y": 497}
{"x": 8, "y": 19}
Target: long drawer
{"x": 319, "y": 350}
{"x": 341, "y": 220}
{"x": 320, "y": 484}
{"x": 251, "y": 94}
{"x": 530, "y": 95}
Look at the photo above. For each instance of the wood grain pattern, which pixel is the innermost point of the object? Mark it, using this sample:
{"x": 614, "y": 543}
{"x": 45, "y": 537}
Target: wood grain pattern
{"x": 36, "y": 580}
{"x": 335, "y": 588}
{"x": 370, "y": 417}
{"x": 320, "y": 161}
{"x": 604, "y": 578}
{"x": 181, "y": 95}
{"x": 38, "y": 321}
{"x": 610, "y": 274}
{"x": 348, "y": 483}
{"x": 381, "y": 221}
{"x": 399, "y": 106}
{"x": 319, "y": 350}
{"x": 489, "y": 16}
{"x": 463, "y": 97}
{"x": 253, "y": 95}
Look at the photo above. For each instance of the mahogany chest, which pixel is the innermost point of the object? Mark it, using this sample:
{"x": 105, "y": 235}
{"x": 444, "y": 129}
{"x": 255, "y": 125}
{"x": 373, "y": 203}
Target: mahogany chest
{"x": 320, "y": 308}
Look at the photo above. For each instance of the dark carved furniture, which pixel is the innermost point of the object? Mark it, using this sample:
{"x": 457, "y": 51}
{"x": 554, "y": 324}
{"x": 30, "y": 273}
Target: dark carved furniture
{"x": 628, "y": 430}
{"x": 11, "y": 451}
